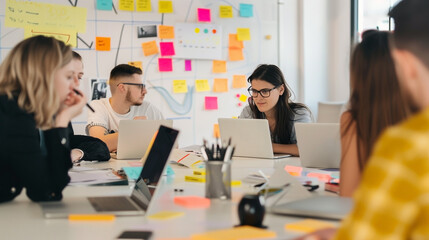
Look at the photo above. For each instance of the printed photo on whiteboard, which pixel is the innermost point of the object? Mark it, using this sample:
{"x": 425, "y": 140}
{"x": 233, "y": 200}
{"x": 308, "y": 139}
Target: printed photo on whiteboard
{"x": 99, "y": 88}
{"x": 146, "y": 31}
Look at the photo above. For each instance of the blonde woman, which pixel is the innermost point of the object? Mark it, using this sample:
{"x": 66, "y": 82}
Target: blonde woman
{"x": 37, "y": 101}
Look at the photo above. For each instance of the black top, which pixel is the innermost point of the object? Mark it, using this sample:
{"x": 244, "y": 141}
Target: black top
{"x": 22, "y": 163}
{"x": 92, "y": 148}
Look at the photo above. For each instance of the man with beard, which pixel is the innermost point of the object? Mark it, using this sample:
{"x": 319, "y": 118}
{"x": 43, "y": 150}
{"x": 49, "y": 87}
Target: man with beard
{"x": 126, "y": 103}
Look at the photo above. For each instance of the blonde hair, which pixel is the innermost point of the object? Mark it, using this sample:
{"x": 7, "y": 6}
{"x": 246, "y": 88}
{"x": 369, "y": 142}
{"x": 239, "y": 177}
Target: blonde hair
{"x": 27, "y": 74}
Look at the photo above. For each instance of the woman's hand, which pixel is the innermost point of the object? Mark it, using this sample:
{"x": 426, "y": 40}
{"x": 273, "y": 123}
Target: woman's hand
{"x": 70, "y": 108}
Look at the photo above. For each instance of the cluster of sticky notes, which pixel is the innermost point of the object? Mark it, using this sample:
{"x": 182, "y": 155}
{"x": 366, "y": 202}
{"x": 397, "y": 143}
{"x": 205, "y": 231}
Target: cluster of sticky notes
{"x": 308, "y": 225}
{"x": 165, "y": 215}
{"x": 241, "y": 98}
{"x": 192, "y": 201}
{"x": 236, "y": 233}
{"x": 141, "y": 5}
{"x": 235, "y": 48}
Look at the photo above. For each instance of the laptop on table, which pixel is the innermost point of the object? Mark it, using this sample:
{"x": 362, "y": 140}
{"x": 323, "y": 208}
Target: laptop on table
{"x": 251, "y": 137}
{"x": 141, "y": 196}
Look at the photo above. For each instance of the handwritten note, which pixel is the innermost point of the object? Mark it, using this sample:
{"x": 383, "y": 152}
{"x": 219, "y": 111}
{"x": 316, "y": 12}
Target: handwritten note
{"x": 239, "y": 81}
{"x": 216, "y": 132}
{"x": 243, "y": 34}
{"x": 65, "y": 35}
{"x": 167, "y": 48}
{"x": 165, "y": 32}
{"x": 150, "y": 48}
{"x": 235, "y": 54}
{"x": 143, "y": 6}
{"x": 246, "y": 10}
{"x": 202, "y": 85}
{"x": 219, "y": 66}
{"x": 233, "y": 41}
{"x": 210, "y": 103}
{"x": 104, "y": 5}
{"x": 188, "y": 65}
{"x": 126, "y": 5}
{"x": 165, "y": 6}
{"x": 180, "y": 86}
{"x": 225, "y": 12}
{"x": 220, "y": 85}
{"x": 137, "y": 64}
{"x": 102, "y": 43}
{"x": 204, "y": 15}
{"x": 165, "y": 64}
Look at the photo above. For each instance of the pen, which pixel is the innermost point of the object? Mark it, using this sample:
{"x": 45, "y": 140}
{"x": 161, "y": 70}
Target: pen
{"x": 78, "y": 93}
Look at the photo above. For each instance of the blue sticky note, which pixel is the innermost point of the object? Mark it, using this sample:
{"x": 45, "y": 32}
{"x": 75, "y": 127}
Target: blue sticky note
{"x": 104, "y": 5}
{"x": 246, "y": 10}
{"x": 169, "y": 171}
{"x": 133, "y": 173}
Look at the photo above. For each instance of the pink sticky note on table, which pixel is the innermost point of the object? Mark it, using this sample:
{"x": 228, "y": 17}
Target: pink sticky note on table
{"x": 165, "y": 64}
{"x": 211, "y": 103}
{"x": 167, "y": 48}
{"x": 192, "y": 201}
{"x": 204, "y": 15}
{"x": 188, "y": 65}
{"x": 320, "y": 176}
{"x": 135, "y": 163}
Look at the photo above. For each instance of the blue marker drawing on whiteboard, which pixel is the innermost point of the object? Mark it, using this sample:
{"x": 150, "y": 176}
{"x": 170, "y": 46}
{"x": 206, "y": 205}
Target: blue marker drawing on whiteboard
{"x": 176, "y": 107}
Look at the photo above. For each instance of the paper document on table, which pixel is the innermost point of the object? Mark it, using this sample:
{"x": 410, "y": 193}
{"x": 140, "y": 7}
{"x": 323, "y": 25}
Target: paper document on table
{"x": 88, "y": 176}
{"x": 188, "y": 159}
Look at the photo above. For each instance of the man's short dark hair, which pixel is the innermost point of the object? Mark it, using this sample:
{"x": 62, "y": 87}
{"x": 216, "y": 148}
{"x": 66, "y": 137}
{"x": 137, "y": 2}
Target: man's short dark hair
{"x": 124, "y": 70}
{"x": 412, "y": 27}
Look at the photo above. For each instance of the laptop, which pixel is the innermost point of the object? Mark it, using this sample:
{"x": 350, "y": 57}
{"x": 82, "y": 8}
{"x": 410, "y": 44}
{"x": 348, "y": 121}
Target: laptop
{"x": 251, "y": 137}
{"x": 143, "y": 192}
{"x": 319, "y": 144}
{"x": 135, "y": 135}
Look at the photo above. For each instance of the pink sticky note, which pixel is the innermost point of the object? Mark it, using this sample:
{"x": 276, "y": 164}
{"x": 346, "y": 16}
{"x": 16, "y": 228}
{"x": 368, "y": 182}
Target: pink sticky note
{"x": 188, "y": 65}
{"x": 204, "y": 15}
{"x": 165, "y": 64}
{"x": 192, "y": 201}
{"x": 211, "y": 103}
{"x": 167, "y": 48}
{"x": 322, "y": 177}
{"x": 289, "y": 168}
{"x": 135, "y": 163}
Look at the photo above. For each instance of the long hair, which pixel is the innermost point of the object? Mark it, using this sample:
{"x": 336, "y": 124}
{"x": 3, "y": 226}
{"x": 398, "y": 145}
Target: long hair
{"x": 285, "y": 109}
{"x": 376, "y": 101}
{"x": 27, "y": 74}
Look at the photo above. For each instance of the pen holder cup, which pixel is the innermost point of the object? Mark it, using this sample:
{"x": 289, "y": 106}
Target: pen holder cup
{"x": 218, "y": 179}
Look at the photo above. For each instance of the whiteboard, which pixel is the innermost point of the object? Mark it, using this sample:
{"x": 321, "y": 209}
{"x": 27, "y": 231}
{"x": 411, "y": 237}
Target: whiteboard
{"x": 186, "y": 109}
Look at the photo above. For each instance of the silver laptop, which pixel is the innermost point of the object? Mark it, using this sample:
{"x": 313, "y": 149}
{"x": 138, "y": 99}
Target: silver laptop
{"x": 135, "y": 135}
{"x": 319, "y": 144}
{"x": 251, "y": 137}
{"x": 143, "y": 192}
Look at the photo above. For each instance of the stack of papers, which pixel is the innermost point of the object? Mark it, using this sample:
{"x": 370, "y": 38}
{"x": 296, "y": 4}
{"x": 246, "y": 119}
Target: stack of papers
{"x": 84, "y": 176}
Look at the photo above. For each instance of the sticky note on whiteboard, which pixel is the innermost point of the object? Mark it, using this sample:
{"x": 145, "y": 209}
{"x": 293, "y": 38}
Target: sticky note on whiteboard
{"x": 239, "y": 81}
{"x": 204, "y": 15}
{"x": 243, "y": 98}
{"x": 104, "y": 5}
{"x": 165, "y": 6}
{"x": 246, "y": 10}
{"x": 233, "y": 41}
{"x": 167, "y": 48}
{"x": 225, "y": 12}
{"x": 219, "y": 66}
{"x": 210, "y": 103}
{"x": 126, "y": 5}
{"x": 220, "y": 85}
{"x": 180, "y": 86}
{"x": 150, "y": 48}
{"x": 235, "y": 54}
{"x": 143, "y": 6}
{"x": 102, "y": 43}
{"x": 202, "y": 85}
{"x": 243, "y": 34}
{"x": 188, "y": 65}
{"x": 165, "y": 32}
{"x": 165, "y": 64}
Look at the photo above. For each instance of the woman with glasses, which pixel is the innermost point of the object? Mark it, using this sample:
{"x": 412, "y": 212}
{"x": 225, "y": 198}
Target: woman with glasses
{"x": 270, "y": 99}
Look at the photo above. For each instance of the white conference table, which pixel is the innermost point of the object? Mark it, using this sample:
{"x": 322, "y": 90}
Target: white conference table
{"x": 23, "y": 219}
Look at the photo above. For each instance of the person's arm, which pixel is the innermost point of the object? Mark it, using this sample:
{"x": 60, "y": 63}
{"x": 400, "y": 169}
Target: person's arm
{"x": 286, "y": 148}
{"x": 89, "y": 148}
{"x": 350, "y": 173}
{"x": 111, "y": 140}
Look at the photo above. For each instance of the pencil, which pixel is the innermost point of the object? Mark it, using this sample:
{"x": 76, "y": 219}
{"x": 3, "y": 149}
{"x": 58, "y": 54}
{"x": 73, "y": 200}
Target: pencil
{"x": 78, "y": 93}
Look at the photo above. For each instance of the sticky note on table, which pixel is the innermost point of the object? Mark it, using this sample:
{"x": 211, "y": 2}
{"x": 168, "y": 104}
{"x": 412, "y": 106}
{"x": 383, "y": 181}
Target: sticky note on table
{"x": 188, "y": 65}
{"x": 246, "y": 10}
{"x": 167, "y": 48}
{"x": 204, "y": 15}
{"x": 132, "y": 172}
{"x": 234, "y": 42}
{"x": 320, "y": 176}
{"x": 210, "y": 103}
{"x": 216, "y": 132}
{"x": 179, "y": 86}
{"x": 192, "y": 201}
{"x": 165, "y": 215}
{"x": 225, "y": 12}
{"x": 236, "y": 233}
{"x": 150, "y": 48}
{"x": 143, "y": 5}
{"x": 220, "y": 85}
{"x": 239, "y": 81}
{"x": 308, "y": 225}
{"x": 165, "y": 6}
{"x": 165, "y": 64}
{"x": 235, "y": 54}
{"x": 243, "y": 34}
{"x": 102, "y": 43}
{"x": 219, "y": 66}
{"x": 126, "y": 5}
{"x": 202, "y": 85}
{"x": 137, "y": 64}
{"x": 242, "y": 98}
{"x": 104, "y": 5}
{"x": 165, "y": 32}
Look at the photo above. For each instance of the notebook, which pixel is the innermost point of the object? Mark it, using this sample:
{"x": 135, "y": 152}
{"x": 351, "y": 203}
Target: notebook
{"x": 135, "y": 135}
{"x": 143, "y": 192}
{"x": 251, "y": 137}
{"x": 319, "y": 144}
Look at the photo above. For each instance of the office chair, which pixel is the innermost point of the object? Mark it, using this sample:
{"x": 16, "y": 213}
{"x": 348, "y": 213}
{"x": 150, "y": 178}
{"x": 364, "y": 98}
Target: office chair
{"x": 329, "y": 112}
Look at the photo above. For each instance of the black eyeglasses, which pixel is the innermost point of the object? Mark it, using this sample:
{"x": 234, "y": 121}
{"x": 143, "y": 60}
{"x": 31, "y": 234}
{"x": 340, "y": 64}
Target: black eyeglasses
{"x": 140, "y": 85}
{"x": 265, "y": 92}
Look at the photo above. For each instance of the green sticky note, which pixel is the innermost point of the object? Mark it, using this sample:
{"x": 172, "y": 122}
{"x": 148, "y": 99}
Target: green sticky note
{"x": 246, "y": 10}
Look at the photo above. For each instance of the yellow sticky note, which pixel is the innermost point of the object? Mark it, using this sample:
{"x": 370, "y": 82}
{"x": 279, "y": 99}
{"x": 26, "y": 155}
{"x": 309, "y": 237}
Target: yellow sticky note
{"x": 165, "y": 6}
{"x": 216, "y": 132}
{"x": 243, "y": 98}
{"x": 126, "y": 5}
{"x": 243, "y": 34}
{"x": 165, "y": 32}
{"x": 202, "y": 85}
{"x": 179, "y": 86}
{"x": 150, "y": 48}
{"x": 242, "y": 232}
{"x": 137, "y": 64}
{"x": 67, "y": 36}
{"x": 236, "y": 54}
{"x": 220, "y": 85}
{"x": 193, "y": 178}
{"x": 239, "y": 81}
{"x": 219, "y": 66}
{"x": 143, "y": 6}
{"x": 225, "y": 12}
{"x": 308, "y": 225}
{"x": 102, "y": 43}
{"x": 165, "y": 215}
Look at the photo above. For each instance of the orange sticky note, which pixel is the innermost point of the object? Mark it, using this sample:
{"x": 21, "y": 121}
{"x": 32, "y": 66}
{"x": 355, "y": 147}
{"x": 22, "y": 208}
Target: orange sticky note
{"x": 216, "y": 132}
{"x": 234, "y": 42}
{"x": 239, "y": 81}
{"x": 236, "y": 54}
{"x": 91, "y": 217}
{"x": 150, "y": 48}
{"x": 137, "y": 64}
{"x": 243, "y": 34}
{"x": 308, "y": 225}
{"x": 165, "y": 32}
{"x": 236, "y": 233}
{"x": 220, "y": 85}
{"x": 165, "y": 6}
{"x": 102, "y": 43}
{"x": 192, "y": 201}
{"x": 219, "y": 66}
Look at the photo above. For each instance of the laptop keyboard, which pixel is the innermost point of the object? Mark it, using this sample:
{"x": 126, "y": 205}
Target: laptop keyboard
{"x": 112, "y": 204}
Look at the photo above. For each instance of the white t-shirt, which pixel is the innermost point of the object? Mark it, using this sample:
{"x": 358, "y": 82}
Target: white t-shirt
{"x": 106, "y": 117}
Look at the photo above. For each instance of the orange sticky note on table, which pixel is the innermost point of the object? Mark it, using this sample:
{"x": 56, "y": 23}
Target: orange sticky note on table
{"x": 235, "y": 54}
{"x": 320, "y": 176}
{"x": 234, "y": 42}
{"x": 137, "y": 64}
{"x": 167, "y": 48}
{"x": 210, "y": 103}
{"x": 236, "y": 233}
{"x": 243, "y": 34}
{"x": 165, "y": 32}
{"x": 308, "y": 225}
{"x": 192, "y": 201}
{"x": 239, "y": 81}
{"x": 165, "y": 6}
{"x": 219, "y": 66}
{"x": 220, "y": 85}
{"x": 216, "y": 132}
{"x": 102, "y": 43}
{"x": 150, "y": 48}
